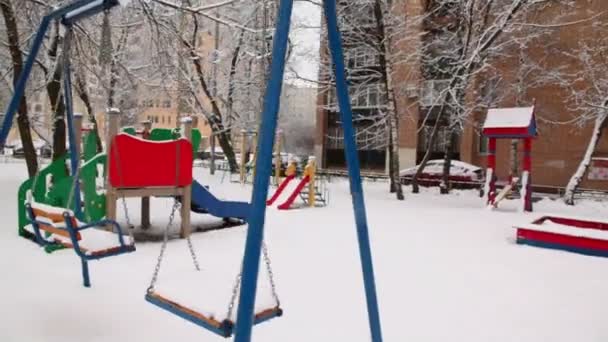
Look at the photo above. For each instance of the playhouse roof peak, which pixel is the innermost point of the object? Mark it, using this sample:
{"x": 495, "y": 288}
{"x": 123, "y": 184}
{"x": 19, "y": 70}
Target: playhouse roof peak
{"x": 514, "y": 122}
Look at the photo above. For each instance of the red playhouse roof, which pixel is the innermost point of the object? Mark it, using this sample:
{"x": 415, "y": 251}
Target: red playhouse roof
{"x": 511, "y": 123}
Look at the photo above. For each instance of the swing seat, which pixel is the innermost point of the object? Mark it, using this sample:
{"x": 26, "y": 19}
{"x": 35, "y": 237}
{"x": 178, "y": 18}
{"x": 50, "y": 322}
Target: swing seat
{"x": 224, "y": 328}
{"x": 51, "y": 220}
{"x": 95, "y": 243}
{"x": 89, "y": 244}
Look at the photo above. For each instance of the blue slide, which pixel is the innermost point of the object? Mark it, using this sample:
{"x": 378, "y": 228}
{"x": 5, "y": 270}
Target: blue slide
{"x": 204, "y": 202}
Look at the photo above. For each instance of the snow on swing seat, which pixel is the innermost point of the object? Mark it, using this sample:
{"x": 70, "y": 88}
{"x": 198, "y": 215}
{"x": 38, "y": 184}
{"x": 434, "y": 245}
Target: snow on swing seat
{"x": 92, "y": 241}
{"x": 202, "y": 297}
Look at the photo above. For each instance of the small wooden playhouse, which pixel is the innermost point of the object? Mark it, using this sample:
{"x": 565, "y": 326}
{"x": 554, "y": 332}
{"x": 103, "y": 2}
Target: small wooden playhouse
{"x": 510, "y": 123}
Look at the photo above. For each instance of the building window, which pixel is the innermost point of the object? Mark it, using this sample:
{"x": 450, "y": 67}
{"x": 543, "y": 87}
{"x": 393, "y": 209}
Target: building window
{"x": 162, "y": 119}
{"x": 157, "y": 103}
{"x": 169, "y": 119}
{"x": 362, "y": 57}
{"x": 38, "y": 108}
{"x": 167, "y": 104}
{"x": 366, "y": 96}
{"x": 433, "y": 92}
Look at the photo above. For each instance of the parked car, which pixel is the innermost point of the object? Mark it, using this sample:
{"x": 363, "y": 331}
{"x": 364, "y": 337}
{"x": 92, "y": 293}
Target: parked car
{"x": 462, "y": 175}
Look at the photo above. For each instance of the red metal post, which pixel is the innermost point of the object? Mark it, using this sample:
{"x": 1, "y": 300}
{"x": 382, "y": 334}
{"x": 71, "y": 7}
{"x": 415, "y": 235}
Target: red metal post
{"x": 527, "y": 158}
{"x": 491, "y": 166}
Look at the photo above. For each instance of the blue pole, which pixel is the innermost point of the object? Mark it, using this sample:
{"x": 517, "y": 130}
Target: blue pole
{"x": 7, "y": 123}
{"x": 354, "y": 172}
{"x": 255, "y": 233}
{"x": 69, "y": 110}
{"x": 22, "y": 81}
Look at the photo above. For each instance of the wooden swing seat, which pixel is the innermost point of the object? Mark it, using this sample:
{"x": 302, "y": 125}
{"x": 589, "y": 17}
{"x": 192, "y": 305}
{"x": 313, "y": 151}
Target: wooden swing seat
{"x": 65, "y": 230}
{"x": 51, "y": 220}
{"x": 54, "y": 221}
{"x": 224, "y": 328}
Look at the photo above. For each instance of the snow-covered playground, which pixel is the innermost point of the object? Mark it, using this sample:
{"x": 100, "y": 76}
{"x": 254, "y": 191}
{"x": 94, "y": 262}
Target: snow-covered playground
{"x": 446, "y": 268}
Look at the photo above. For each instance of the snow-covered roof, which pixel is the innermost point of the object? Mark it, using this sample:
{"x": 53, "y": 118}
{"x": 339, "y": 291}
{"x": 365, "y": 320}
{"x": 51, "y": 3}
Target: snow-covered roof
{"x": 509, "y": 117}
{"x": 517, "y": 122}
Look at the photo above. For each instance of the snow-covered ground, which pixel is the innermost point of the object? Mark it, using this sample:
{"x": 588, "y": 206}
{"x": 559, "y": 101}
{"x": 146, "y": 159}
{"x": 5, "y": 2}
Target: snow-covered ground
{"x": 446, "y": 269}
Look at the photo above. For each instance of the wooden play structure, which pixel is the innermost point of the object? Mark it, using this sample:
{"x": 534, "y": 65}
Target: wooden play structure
{"x": 247, "y": 164}
{"x": 567, "y": 233}
{"x": 141, "y": 168}
{"x": 510, "y": 123}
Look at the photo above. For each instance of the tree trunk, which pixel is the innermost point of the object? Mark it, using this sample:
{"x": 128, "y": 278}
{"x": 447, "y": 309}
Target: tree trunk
{"x": 233, "y": 68}
{"x": 444, "y": 186}
{"x": 53, "y": 90}
{"x": 578, "y": 175}
{"x": 215, "y": 121}
{"x": 81, "y": 90}
{"x": 427, "y": 155}
{"x": 387, "y": 77}
{"x": 390, "y": 162}
{"x": 113, "y": 70}
{"x": 394, "y": 172}
{"x": 23, "y": 122}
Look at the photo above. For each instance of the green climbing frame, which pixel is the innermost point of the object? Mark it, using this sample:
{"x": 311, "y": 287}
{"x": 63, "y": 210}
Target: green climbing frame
{"x": 52, "y": 186}
{"x": 163, "y": 134}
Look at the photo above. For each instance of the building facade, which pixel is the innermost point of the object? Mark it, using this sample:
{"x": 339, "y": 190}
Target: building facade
{"x": 557, "y": 151}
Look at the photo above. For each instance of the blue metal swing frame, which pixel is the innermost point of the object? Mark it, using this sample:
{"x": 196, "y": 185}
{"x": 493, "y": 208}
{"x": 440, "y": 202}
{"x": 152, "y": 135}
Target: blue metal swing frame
{"x": 67, "y": 15}
{"x": 81, "y": 9}
{"x": 255, "y": 233}
{"x": 73, "y": 231}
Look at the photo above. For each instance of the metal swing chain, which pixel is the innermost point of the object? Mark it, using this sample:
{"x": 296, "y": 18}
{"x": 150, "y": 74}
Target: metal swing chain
{"x": 123, "y": 199}
{"x": 273, "y": 286}
{"x": 163, "y": 248}
{"x": 237, "y": 283}
{"x": 130, "y": 226}
{"x": 193, "y": 253}
{"x": 235, "y": 292}
{"x": 188, "y": 238}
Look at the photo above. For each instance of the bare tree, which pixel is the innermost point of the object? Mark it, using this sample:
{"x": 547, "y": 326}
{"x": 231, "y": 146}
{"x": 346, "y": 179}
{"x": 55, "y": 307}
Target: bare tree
{"x": 588, "y": 90}
{"x": 468, "y": 37}
{"x": 23, "y": 123}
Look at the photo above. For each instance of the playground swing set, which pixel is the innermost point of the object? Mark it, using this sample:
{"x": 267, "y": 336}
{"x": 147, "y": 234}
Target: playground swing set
{"x": 172, "y": 161}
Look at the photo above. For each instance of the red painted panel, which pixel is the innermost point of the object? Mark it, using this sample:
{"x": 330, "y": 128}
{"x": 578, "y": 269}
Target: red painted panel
{"x": 567, "y": 240}
{"x": 507, "y": 132}
{"x": 136, "y": 163}
{"x": 573, "y": 222}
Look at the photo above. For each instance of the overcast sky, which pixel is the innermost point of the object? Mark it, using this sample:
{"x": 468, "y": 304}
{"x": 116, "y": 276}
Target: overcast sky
{"x": 306, "y": 40}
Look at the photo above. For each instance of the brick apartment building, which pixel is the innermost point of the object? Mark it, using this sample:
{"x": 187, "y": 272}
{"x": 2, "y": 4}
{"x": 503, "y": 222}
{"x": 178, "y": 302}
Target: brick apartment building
{"x": 556, "y": 152}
